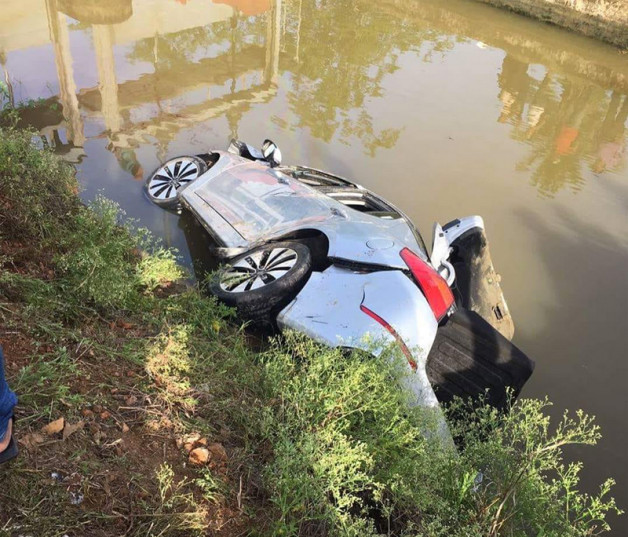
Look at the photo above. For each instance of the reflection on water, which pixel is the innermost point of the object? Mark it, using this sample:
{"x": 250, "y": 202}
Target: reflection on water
{"x": 447, "y": 108}
{"x": 162, "y": 67}
{"x": 568, "y": 124}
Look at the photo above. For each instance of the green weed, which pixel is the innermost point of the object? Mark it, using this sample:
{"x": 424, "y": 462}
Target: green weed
{"x": 158, "y": 268}
{"x": 212, "y": 487}
{"x": 522, "y": 486}
{"x": 350, "y": 457}
{"x": 98, "y": 260}
{"x": 46, "y": 379}
{"x": 37, "y": 190}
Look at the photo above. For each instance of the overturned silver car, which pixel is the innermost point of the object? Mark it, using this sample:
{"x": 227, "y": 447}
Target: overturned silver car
{"x": 320, "y": 254}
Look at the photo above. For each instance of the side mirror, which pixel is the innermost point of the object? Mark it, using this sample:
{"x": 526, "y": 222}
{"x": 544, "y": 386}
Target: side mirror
{"x": 271, "y": 153}
{"x": 235, "y": 147}
{"x": 238, "y": 147}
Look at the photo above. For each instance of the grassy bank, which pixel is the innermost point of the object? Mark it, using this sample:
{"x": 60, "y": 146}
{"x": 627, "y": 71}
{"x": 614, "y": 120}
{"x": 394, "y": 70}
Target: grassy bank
{"x": 606, "y": 20}
{"x": 146, "y": 409}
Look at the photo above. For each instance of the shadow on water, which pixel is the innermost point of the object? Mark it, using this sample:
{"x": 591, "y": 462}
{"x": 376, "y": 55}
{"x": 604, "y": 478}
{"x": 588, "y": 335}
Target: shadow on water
{"x": 95, "y": 11}
{"x": 582, "y": 348}
{"x": 200, "y": 245}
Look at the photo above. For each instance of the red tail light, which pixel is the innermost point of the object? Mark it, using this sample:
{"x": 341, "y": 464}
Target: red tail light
{"x": 393, "y": 332}
{"x": 433, "y": 285}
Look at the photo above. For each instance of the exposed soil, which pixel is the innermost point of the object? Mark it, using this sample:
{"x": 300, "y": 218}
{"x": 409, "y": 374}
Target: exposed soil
{"x": 107, "y": 436}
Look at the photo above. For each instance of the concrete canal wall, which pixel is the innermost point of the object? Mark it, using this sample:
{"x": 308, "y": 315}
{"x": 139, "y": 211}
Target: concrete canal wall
{"x": 606, "y": 20}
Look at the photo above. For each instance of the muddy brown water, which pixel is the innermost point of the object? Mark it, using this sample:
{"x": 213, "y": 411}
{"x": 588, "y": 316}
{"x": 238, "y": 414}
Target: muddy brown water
{"x": 445, "y": 108}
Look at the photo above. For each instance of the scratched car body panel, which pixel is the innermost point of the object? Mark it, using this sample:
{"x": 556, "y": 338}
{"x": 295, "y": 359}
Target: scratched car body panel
{"x": 317, "y": 253}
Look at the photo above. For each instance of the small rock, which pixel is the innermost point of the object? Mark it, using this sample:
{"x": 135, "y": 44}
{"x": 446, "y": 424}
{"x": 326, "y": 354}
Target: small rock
{"x": 38, "y": 143}
{"x": 190, "y": 441}
{"x": 161, "y": 424}
{"x": 199, "y": 456}
{"x": 53, "y": 427}
{"x": 218, "y": 452}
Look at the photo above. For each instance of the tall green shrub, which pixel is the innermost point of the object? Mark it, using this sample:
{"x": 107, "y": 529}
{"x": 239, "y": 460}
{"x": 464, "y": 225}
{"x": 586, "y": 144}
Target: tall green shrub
{"x": 351, "y": 458}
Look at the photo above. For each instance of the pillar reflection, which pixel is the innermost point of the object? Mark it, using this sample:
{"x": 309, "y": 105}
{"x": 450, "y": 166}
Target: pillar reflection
{"x": 60, "y": 38}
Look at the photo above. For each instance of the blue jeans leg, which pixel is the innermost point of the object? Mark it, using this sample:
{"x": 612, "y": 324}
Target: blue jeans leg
{"x": 8, "y": 400}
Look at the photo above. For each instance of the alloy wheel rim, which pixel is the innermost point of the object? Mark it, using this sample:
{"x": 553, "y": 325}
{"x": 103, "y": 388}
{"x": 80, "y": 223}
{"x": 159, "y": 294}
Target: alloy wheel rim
{"x": 258, "y": 270}
{"x": 171, "y": 177}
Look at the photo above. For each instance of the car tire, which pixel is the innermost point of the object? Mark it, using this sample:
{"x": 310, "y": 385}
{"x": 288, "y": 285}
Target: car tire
{"x": 262, "y": 281}
{"x": 166, "y": 182}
